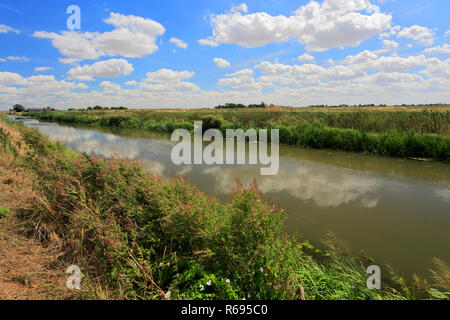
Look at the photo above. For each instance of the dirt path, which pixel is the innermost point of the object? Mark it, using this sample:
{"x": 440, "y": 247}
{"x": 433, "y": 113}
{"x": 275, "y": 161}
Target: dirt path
{"x": 28, "y": 270}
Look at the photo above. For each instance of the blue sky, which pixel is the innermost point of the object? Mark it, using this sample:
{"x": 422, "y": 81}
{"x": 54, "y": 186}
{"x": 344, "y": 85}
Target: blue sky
{"x": 201, "y": 53}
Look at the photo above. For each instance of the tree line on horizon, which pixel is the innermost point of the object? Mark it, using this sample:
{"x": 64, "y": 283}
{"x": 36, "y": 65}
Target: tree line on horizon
{"x": 262, "y": 105}
{"x": 241, "y": 106}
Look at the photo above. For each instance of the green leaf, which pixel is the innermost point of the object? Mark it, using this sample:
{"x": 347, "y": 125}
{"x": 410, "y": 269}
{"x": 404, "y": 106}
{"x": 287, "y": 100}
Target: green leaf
{"x": 437, "y": 294}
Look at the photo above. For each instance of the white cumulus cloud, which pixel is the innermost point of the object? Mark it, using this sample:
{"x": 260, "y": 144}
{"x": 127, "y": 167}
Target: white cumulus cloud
{"x": 420, "y": 34}
{"x": 10, "y": 78}
{"x": 305, "y": 57}
{"x": 132, "y": 37}
{"x": 103, "y": 69}
{"x": 445, "y": 49}
{"x": 320, "y": 26}
{"x": 221, "y": 63}
{"x": 179, "y": 43}
{"x": 168, "y": 75}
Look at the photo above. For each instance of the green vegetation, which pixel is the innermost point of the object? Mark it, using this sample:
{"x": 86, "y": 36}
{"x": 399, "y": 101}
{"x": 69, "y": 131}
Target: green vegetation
{"x": 138, "y": 236}
{"x": 18, "y": 108}
{"x": 5, "y": 143}
{"x": 4, "y": 212}
{"x": 404, "y": 133}
{"x": 104, "y": 108}
{"x": 241, "y": 106}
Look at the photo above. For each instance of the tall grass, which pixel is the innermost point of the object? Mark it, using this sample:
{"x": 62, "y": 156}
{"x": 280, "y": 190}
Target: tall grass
{"x": 423, "y": 134}
{"x": 138, "y": 236}
{"x": 426, "y": 121}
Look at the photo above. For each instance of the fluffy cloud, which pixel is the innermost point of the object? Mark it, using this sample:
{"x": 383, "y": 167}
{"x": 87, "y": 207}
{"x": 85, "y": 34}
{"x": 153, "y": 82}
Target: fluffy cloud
{"x": 361, "y": 58}
{"x": 366, "y": 77}
{"x": 369, "y": 61}
{"x": 132, "y": 37}
{"x": 35, "y": 90}
{"x": 320, "y": 26}
{"x": 447, "y": 33}
{"x": 396, "y": 64}
{"x": 384, "y": 78}
{"x": 168, "y": 82}
{"x": 9, "y": 78}
{"x": 445, "y": 49}
{"x": 179, "y": 43}
{"x": 242, "y": 79}
{"x": 392, "y": 31}
{"x": 167, "y": 75}
{"x": 305, "y": 75}
{"x": 389, "y": 45}
{"x": 363, "y": 77}
{"x": 102, "y": 69}
{"x": 6, "y": 29}
{"x": 334, "y": 86}
{"x": 438, "y": 69}
{"x": 221, "y": 63}
{"x": 305, "y": 57}
{"x": 422, "y": 35}
{"x": 77, "y": 46}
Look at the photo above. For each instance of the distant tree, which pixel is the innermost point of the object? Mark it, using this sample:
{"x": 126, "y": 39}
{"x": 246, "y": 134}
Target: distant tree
{"x": 18, "y": 108}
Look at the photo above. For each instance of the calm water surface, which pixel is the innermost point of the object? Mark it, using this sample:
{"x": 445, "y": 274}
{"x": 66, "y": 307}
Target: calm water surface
{"x": 394, "y": 210}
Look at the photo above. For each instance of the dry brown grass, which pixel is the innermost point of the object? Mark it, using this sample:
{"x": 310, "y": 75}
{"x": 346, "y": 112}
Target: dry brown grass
{"x": 28, "y": 270}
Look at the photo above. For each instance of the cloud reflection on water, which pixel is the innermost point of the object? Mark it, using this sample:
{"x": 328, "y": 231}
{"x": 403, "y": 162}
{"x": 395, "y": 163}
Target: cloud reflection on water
{"x": 326, "y": 186}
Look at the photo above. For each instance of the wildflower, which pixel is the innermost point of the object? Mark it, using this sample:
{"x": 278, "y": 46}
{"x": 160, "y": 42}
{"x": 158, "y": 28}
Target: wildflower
{"x": 167, "y": 295}
{"x": 227, "y": 281}
{"x": 201, "y": 287}
{"x": 261, "y": 270}
{"x": 208, "y": 283}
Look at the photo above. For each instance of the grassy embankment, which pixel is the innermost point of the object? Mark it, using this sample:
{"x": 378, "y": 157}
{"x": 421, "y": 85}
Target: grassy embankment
{"x": 403, "y": 133}
{"x": 137, "y": 236}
